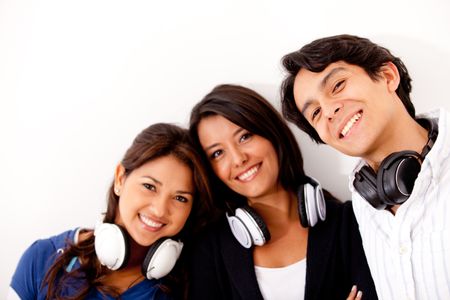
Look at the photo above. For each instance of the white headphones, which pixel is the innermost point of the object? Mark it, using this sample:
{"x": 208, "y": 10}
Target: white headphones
{"x": 112, "y": 249}
{"x": 249, "y": 228}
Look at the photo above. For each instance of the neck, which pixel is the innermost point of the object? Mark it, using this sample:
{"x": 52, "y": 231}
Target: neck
{"x": 137, "y": 254}
{"x": 276, "y": 207}
{"x": 406, "y": 134}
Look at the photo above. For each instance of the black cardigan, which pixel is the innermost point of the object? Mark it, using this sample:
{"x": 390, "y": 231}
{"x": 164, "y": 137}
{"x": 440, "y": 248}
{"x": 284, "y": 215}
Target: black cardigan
{"x": 222, "y": 269}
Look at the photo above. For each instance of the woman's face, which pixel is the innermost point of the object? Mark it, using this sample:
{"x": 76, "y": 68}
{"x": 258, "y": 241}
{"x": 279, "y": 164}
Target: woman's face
{"x": 245, "y": 162}
{"x": 155, "y": 199}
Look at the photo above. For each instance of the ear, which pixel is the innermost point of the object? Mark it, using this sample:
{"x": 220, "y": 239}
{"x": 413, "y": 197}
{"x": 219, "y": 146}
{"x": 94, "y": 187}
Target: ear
{"x": 119, "y": 179}
{"x": 389, "y": 71}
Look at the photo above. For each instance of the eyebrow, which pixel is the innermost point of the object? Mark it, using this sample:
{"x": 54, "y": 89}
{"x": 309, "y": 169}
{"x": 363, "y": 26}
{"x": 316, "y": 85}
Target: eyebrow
{"x": 185, "y": 192}
{"x": 161, "y": 184}
{"x": 154, "y": 179}
{"x": 236, "y": 132}
{"x": 323, "y": 83}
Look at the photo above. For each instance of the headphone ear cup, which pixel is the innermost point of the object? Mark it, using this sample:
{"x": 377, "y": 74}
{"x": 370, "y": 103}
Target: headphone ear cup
{"x": 248, "y": 227}
{"x": 365, "y": 184}
{"x": 396, "y": 176}
{"x": 239, "y": 231}
{"x": 111, "y": 245}
{"x": 311, "y": 203}
{"x": 302, "y": 208}
{"x": 161, "y": 258}
{"x": 256, "y": 225}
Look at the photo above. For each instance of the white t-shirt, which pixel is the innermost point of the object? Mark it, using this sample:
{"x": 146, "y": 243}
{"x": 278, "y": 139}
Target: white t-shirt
{"x": 282, "y": 283}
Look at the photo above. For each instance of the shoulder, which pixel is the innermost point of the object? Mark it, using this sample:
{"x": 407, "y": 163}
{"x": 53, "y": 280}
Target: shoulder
{"x": 340, "y": 221}
{"x": 35, "y": 262}
{"x": 214, "y": 232}
{"x": 49, "y": 246}
{"x": 217, "y": 244}
{"x": 147, "y": 289}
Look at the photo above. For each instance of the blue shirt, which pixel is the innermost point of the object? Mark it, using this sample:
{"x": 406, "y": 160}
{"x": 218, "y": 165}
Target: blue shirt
{"x": 38, "y": 258}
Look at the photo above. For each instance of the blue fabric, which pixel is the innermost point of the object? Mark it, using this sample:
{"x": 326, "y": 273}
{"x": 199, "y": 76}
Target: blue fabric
{"x": 38, "y": 258}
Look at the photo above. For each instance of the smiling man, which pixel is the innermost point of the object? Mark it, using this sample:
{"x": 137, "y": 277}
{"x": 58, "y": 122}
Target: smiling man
{"x": 353, "y": 95}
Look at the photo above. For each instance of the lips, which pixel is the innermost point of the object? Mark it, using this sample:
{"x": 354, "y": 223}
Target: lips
{"x": 248, "y": 174}
{"x": 349, "y": 125}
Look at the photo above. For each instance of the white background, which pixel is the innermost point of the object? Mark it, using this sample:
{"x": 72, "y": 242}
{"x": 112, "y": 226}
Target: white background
{"x": 79, "y": 79}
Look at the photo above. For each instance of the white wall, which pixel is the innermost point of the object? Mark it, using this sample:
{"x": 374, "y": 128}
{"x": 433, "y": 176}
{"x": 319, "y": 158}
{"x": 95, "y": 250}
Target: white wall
{"x": 79, "y": 79}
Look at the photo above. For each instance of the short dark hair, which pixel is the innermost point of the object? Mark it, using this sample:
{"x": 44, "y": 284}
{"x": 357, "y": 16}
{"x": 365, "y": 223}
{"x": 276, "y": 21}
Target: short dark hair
{"x": 249, "y": 110}
{"x": 319, "y": 54}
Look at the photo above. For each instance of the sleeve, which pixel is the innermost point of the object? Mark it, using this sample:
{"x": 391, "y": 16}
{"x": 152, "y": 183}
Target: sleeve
{"x": 160, "y": 295}
{"x": 12, "y": 295}
{"x": 24, "y": 279}
{"x": 354, "y": 256}
{"x": 27, "y": 278}
{"x": 203, "y": 271}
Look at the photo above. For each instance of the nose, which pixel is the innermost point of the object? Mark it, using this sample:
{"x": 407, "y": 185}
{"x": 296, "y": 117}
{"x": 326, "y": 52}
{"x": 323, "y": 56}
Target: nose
{"x": 159, "y": 206}
{"x": 239, "y": 157}
{"x": 331, "y": 109}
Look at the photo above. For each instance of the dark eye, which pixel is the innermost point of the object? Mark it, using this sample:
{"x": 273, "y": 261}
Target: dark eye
{"x": 216, "y": 154}
{"x": 245, "y": 137}
{"x": 315, "y": 113}
{"x": 339, "y": 85}
{"x": 149, "y": 186}
{"x": 181, "y": 199}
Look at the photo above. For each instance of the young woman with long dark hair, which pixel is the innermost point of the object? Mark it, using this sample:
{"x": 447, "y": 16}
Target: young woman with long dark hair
{"x": 283, "y": 237}
{"x": 159, "y": 197}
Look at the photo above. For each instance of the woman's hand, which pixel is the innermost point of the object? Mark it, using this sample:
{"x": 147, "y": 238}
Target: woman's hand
{"x": 354, "y": 294}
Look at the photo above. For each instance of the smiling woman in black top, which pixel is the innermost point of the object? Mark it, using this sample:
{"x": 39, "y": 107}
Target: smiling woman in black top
{"x": 282, "y": 236}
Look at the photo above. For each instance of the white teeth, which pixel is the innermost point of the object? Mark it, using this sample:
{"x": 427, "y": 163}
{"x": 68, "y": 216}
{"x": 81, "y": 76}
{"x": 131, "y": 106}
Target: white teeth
{"x": 350, "y": 123}
{"x": 150, "y": 222}
{"x": 249, "y": 173}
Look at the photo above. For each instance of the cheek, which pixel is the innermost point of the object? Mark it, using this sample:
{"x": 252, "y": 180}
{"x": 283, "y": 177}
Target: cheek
{"x": 322, "y": 131}
{"x": 221, "y": 170}
{"x": 181, "y": 218}
{"x": 121, "y": 213}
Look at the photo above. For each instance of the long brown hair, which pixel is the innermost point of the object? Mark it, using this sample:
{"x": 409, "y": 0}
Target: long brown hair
{"x": 247, "y": 109}
{"x": 156, "y": 141}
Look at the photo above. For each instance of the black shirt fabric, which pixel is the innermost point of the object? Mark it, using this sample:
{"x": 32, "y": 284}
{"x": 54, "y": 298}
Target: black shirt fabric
{"x": 222, "y": 269}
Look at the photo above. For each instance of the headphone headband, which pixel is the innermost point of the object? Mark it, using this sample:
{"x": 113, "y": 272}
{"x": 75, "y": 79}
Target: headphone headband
{"x": 432, "y": 128}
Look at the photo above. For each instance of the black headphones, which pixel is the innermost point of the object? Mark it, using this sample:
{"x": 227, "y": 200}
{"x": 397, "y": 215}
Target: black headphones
{"x": 112, "y": 249}
{"x": 249, "y": 228}
{"x": 394, "y": 181}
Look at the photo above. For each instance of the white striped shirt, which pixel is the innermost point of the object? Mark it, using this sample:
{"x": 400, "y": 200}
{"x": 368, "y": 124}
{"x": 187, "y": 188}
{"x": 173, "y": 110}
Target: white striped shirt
{"x": 409, "y": 253}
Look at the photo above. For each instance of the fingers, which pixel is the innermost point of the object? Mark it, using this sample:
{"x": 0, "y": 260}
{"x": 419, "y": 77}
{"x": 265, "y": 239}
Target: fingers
{"x": 354, "y": 294}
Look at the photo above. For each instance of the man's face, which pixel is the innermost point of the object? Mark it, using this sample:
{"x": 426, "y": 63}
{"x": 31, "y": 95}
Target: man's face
{"x": 349, "y": 110}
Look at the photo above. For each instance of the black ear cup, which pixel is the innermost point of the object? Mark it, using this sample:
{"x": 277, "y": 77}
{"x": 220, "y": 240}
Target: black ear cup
{"x": 366, "y": 184}
{"x": 248, "y": 227}
{"x": 396, "y": 176}
{"x": 394, "y": 181}
{"x": 112, "y": 249}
